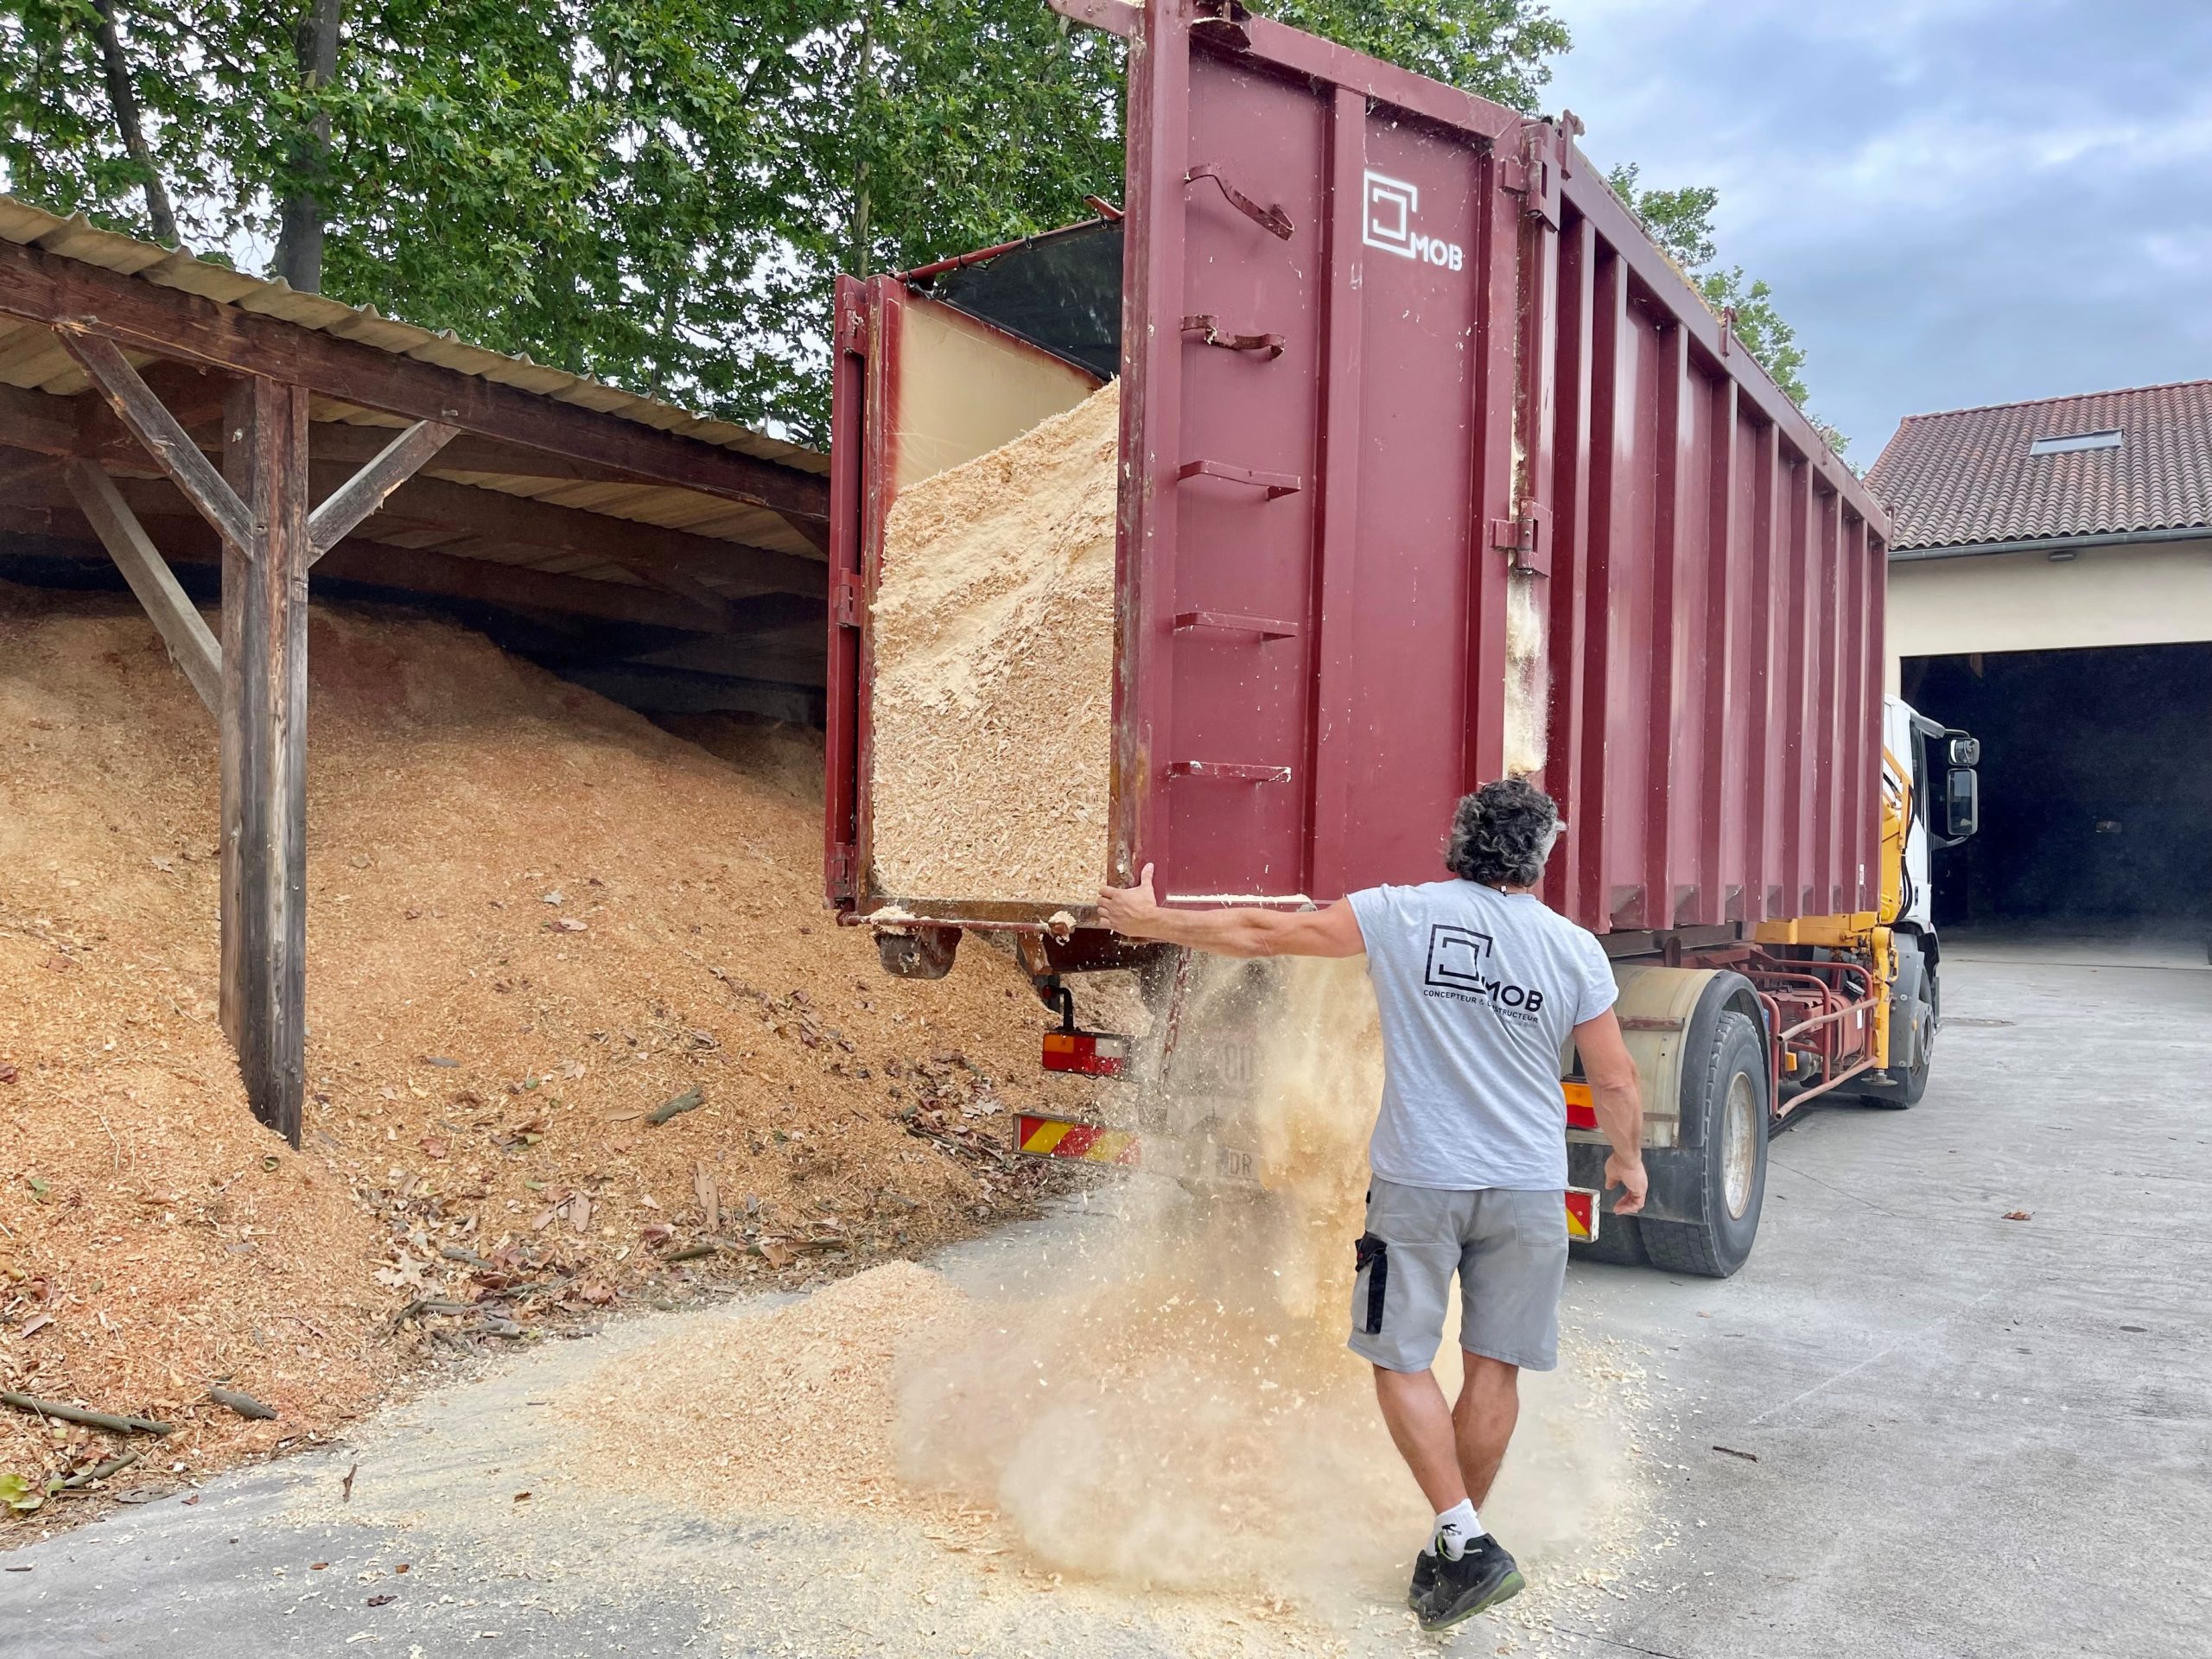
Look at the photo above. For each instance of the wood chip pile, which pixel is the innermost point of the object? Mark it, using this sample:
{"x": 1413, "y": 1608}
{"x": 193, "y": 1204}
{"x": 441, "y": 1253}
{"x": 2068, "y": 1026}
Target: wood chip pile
{"x": 581, "y": 1033}
{"x": 992, "y": 705}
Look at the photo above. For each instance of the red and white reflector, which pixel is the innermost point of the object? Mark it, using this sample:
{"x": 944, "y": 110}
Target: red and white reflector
{"x": 1582, "y": 1212}
{"x": 1087, "y": 1053}
{"x": 1094, "y": 1143}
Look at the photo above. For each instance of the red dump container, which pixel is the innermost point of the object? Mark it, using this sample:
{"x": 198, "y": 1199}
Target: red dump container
{"x": 1412, "y": 411}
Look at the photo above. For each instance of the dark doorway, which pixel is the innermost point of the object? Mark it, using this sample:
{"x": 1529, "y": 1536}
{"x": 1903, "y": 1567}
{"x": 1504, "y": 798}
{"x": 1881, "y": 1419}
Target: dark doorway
{"x": 2096, "y": 782}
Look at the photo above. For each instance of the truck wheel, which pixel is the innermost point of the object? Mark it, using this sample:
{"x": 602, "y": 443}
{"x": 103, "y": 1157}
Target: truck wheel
{"x": 1898, "y": 1090}
{"x": 1725, "y": 1105}
{"x": 1619, "y": 1242}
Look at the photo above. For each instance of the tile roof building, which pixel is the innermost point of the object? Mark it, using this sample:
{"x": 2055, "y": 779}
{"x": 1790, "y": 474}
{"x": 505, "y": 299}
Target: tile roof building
{"x": 2134, "y": 465}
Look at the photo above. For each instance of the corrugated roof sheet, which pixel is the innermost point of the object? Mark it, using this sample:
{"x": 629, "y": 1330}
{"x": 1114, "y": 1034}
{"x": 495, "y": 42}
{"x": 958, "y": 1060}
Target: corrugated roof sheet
{"x": 1965, "y": 477}
{"x": 30, "y": 358}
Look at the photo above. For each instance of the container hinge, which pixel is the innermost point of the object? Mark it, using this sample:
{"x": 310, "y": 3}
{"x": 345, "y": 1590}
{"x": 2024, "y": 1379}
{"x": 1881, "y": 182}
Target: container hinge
{"x": 853, "y": 331}
{"x": 1535, "y": 175}
{"x": 1526, "y": 540}
{"x": 846, "y": 599}
{"x": 1534, "y": 178}
{"x": 841, "y": 870}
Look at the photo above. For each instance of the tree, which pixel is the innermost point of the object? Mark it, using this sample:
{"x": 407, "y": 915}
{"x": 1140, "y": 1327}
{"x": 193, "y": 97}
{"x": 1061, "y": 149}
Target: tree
{"x": 1680, "y": 222}
{"x": 656, "y": 192}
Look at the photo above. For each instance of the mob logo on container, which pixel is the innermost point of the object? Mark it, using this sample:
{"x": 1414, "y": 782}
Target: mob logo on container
{"x": 1389, "y": 224}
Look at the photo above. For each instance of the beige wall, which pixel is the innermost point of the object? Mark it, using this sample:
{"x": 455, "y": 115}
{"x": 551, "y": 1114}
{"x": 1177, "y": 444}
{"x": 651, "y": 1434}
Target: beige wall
{"x": 2155, "y": 593}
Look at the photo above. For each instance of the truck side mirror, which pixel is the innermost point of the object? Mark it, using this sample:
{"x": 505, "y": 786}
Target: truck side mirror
{"x": 1961, "y": 803}
{"x": 1965, "y": 750}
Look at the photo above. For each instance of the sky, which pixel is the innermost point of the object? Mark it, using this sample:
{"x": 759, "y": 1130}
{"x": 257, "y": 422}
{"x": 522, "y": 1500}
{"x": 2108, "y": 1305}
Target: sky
{"x": 1957, "y": 201}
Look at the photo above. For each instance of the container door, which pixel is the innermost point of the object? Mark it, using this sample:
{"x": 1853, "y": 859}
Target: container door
{"x": 1317, "y": 429}
{"x": 918, "y": 387}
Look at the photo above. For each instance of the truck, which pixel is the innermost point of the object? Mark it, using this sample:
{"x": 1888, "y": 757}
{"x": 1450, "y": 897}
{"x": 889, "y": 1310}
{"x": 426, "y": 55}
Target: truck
{"x": 1431, "y": 467}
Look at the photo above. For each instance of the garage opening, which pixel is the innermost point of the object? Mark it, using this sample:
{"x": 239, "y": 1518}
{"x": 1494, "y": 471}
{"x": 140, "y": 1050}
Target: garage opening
{"x": 2096, "y": 785}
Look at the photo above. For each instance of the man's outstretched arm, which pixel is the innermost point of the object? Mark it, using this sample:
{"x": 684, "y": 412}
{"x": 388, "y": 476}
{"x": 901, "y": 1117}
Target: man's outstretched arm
{"x": 1244, "y": 930}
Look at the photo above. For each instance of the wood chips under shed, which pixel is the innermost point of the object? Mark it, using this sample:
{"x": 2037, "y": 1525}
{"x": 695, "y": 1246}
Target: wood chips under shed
{"x": 534, "y": 918}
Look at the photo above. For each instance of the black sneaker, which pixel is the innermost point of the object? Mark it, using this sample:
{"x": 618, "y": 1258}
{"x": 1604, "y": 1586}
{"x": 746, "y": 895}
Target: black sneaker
{"x": 1478, "y": 1580}
{"x": 1424, "y": 1579}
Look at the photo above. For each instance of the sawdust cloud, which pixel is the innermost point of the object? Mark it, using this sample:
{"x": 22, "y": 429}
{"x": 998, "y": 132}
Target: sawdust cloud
{"x": 1184, "y": 1413}
{"x": 1161, "y": 1404}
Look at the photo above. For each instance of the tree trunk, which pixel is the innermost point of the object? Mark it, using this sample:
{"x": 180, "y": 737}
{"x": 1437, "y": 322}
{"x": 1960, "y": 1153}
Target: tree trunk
{"x": 123, "y": 98}
{"x": 299, "y": 236}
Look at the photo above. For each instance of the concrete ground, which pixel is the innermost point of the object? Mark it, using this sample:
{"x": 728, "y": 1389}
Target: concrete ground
{"x": 1965, "y": 1435}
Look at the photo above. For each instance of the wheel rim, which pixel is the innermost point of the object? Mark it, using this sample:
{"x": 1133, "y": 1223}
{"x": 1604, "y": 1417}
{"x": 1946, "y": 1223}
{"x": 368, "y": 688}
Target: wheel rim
{"x": 1739, "y": 1145}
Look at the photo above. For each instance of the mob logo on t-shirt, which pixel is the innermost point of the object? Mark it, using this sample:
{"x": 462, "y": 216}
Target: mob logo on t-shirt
{"x": 1454, "y": 970}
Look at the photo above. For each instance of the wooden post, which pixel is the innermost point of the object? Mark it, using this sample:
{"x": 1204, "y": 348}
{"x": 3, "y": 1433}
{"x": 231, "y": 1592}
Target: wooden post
{"x": 264, "y": 749}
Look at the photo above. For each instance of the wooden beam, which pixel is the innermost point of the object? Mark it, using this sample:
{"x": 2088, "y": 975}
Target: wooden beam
{"x": 187, "y": 541}
{"x": 817, "y": 531}
{"x": 196, "y": 397}
{"x": 38, "y": 421}
{"x": 493, "y": 515}
{"x": 168, "y": 443}
{"x": 343, "y": 440}
{"x": 47, "y": 288}
{"x": 264, "y": 750}
{"x": 513, "y": 587}
{"x": 686, "y": 587}
{"x": 192, "y": 644}
{"x": 363, "y": 493}
{"x": 435, "y": 504}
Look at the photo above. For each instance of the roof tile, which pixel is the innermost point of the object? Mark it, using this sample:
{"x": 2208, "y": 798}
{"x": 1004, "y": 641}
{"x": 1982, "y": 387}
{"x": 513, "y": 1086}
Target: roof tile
{"x": 1965, "y": 476}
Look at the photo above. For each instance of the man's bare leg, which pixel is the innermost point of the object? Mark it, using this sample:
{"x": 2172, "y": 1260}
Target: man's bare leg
{"x": 1423, "y": 1429}
{"x": 1454, "y": 1453}
{"x": 1487, "y": 1406}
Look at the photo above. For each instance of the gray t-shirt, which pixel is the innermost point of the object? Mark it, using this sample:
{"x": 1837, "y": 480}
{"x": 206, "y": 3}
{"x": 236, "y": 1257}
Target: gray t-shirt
{"x": 1478, "y": 990}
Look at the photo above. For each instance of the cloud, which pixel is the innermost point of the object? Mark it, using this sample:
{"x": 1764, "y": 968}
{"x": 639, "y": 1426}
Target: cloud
{"x": 1956, "y": 202}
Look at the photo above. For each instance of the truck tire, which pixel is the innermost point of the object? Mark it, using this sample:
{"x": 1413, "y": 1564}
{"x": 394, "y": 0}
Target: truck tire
{"x": 1724, "y": 1114}
{"x": 1619, "y": 1242}
{"x": 1898, "y": 1088}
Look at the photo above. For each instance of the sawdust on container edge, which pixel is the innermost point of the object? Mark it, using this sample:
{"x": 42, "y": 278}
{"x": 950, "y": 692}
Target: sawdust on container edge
{"x": 1528, "y": 676}
{"x": 994, "y": 646}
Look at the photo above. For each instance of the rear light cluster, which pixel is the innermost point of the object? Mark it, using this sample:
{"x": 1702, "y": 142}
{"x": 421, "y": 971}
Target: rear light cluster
{"x": 1581, "y": 1113}
{"x": 1087, "y": 1053}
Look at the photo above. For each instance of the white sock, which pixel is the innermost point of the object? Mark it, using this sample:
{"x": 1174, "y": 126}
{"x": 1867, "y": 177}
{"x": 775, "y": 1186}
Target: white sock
{"x": 1456, "y": 1529}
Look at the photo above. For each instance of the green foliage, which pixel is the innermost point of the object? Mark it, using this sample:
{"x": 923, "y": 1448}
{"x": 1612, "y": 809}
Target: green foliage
{"x": 20, "y": 1494}
{"x": 656, "y": 192}
{"x": 1680, "y": 222}
{"x": 1499, "y": 50}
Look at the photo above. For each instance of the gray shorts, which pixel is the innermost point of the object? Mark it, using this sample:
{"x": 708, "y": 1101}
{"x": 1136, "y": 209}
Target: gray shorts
{"x": 1510, "y": 1249}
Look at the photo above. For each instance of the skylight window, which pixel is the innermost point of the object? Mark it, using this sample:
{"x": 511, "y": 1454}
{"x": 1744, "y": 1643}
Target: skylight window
{"x": 2073, "y": 440}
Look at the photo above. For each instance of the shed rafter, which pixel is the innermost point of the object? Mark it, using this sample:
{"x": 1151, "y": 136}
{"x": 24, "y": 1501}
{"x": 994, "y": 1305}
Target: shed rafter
{"x": 44, "y": 287}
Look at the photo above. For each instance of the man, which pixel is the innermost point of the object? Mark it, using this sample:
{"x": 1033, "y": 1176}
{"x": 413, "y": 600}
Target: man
{"x": 1479, "y": 984}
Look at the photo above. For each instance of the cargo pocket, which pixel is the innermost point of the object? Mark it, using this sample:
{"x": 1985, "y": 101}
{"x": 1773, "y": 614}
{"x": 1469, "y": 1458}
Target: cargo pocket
{"x": 1370, "y": 1256}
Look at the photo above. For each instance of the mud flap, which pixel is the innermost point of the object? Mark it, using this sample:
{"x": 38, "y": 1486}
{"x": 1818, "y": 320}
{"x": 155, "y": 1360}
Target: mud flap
{"x": 1371, "y": 1255}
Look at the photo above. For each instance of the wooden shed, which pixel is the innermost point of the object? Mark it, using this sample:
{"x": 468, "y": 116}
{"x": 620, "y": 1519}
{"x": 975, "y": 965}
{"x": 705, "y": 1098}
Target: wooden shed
{"x": 204, "y": 432}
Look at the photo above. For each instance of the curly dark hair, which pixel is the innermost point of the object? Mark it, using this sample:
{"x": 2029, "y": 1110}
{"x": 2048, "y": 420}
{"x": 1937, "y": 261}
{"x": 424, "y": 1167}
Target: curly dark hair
{"x": 1502, "y": 834}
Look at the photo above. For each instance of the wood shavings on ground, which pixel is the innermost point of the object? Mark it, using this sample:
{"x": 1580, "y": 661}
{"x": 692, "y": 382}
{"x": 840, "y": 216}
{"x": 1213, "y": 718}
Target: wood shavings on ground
{"x": 1161, "y": 1410}
{"x": 992, "y": 635}
{"x": 477, "y": 1165}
